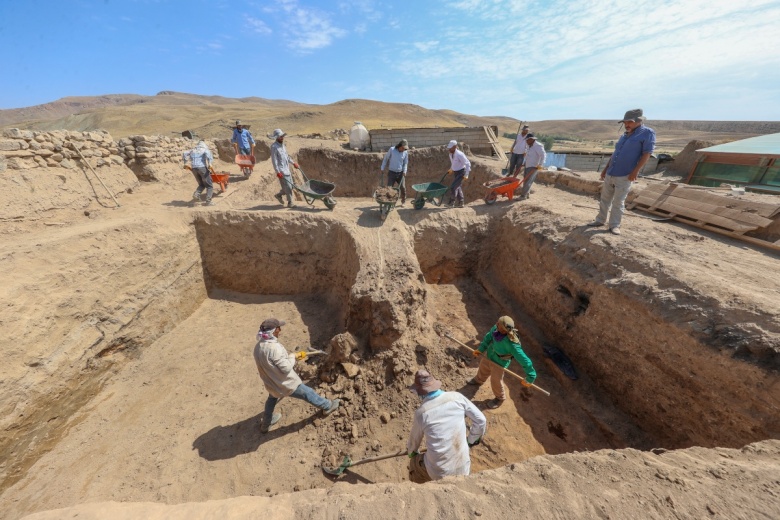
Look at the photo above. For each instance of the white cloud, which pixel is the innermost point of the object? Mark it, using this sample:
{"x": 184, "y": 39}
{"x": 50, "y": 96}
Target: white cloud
{"x": 257, "y": 25}
{"x": 304, "y": 29}
{"x": 426, "y": 46}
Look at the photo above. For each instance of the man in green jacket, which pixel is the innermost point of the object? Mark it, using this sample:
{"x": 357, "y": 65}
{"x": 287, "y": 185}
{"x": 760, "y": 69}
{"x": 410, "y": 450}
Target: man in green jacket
{"x": 502, "y": 344}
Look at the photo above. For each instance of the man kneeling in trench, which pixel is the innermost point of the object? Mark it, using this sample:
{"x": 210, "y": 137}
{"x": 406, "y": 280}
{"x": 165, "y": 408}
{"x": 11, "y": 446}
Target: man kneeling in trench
{"x": 441, "y": 419}
{"x": 275, "y": 366}
{"x": 502, "y": 344}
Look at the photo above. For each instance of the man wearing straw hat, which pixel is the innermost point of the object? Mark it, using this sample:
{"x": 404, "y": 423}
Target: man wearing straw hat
{"x": 441, "y": 418}
{"x": 501, "y": 344}
{"x": 281, "y": 162}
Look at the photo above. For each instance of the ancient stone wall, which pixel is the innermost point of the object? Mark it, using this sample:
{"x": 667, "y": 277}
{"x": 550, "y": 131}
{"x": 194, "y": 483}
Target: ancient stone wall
{"x": 144, "y": 154}
{"x": 26, "y": 150}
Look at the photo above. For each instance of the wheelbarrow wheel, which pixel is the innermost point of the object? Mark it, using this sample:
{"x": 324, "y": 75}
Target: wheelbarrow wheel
{"x": 419, "y": 203}
{"x": 491, "y": 198}
{"x": 330, "y": 202}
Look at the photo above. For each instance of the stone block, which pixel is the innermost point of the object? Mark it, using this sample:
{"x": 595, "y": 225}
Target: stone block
{"x": 20, "y": 163}
{"x": 40, "y": 138}
{"x": 43, "y": 152}
{"x": 116, "y": 159}
{"x": 67, "y": 163}
{"x": 56, "y": 157}
{"x": 7, "y": 145}
{"x": 15, "y": 133}
{"x": 3, "y": 164}
{"x": 40, "y": 160}
{"x": 143, "y": 149}
{"x": 46, "y": 146}
{"x": 19, "y": 153}
{"x": 34, "y": 145}
{"x": 52, "y": 164}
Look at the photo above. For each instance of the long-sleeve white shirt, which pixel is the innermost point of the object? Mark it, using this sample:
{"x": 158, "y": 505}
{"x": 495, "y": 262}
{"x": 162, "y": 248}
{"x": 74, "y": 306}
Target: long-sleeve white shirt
{"x": 535, "y": 155}
{"x": 275, "y": 366}
{"x": 441, "y": 419}
{"x": 459, "y": 161}
{"x": 280, "y": 160}
{"x": 520, "y": 146}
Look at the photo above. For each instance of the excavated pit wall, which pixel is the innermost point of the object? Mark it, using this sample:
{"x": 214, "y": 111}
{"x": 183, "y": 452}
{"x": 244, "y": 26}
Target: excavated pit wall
{"x": 64, "y": 338}
{"x": 659, "y": 362}
{"x": 356, "y": 174}
{"x": 380, "y": 289}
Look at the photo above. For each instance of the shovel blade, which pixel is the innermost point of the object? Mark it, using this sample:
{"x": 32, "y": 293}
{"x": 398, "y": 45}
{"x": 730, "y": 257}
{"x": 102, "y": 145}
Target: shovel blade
{"x": 347, "y": 462}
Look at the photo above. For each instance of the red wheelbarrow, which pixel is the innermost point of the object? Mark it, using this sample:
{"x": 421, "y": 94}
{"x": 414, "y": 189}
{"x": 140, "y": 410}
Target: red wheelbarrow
{"x": 505, "y": 186}
{"x": 247, "y": 164}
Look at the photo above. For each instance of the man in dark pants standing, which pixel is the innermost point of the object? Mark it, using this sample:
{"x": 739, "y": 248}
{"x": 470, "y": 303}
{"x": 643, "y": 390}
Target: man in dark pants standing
{"x": 396, "y": 160}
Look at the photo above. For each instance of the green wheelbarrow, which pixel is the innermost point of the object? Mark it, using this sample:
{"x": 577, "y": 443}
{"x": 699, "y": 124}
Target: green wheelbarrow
{"x": 432, "y": 192}
{"x": 313, "y": 191}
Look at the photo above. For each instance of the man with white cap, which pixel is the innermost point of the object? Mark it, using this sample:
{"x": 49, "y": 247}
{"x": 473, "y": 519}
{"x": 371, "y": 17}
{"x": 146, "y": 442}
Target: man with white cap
{"x": 499, "y": 346}
{"x": 517, "y": 156}
{"x": 281, "y": 163}
{"x": 632, "y": 151}
{"x": 460, "y": 167}
{"x": 441, "y": 418}
{"x": 200, "y": 159}
{"x": 275, "y": 366}
{"x": 534, "y": 160}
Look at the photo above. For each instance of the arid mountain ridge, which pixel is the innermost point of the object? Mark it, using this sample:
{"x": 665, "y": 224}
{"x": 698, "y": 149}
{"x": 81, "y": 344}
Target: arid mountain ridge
{"x": 170, "y": 113}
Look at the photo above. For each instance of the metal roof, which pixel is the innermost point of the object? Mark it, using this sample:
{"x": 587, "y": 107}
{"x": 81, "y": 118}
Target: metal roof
{"x": 762, "y": 145}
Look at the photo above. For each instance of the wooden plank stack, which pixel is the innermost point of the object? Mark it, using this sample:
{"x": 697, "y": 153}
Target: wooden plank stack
{"x": 494, "y": 142}
{"x": 725, "y": 215}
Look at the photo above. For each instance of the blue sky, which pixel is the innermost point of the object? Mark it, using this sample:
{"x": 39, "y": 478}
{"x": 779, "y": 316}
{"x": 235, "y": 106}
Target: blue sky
{"x": 532, "y": 60}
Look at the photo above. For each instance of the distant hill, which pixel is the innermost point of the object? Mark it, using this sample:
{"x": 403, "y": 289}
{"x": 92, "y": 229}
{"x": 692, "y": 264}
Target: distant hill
{"x": 170, "y": 113}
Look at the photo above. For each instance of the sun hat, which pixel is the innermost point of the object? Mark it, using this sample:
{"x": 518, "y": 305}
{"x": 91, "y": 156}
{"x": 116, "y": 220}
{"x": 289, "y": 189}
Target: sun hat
{"x": 451, "y": 144}
{"x": 271, "y": 324}
{"x": 634, "y": 115}
{"x": 403, "y": 143}
{"x": 508, "y": 324}
{"x": 425, "y": 383}
{"x": 238, "y": 123}
{"x": 278, "y": 133}
{"x": 525, "y": 126}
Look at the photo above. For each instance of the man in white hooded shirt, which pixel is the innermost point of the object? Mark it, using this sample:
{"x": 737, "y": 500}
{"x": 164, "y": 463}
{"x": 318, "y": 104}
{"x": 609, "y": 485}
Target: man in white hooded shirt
{"x": 275, "y": 366}
{"x": 441, "y": 418}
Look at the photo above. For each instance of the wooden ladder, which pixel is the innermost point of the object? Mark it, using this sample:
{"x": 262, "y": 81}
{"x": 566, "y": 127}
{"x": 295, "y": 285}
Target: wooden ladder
{"x": 494, "y": 142}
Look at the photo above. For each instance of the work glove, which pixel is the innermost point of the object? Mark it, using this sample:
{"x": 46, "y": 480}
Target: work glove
{"x": 476, "y": 353}
{"x": 279, "y": 174}
{"x": 449, "y": 172}
{"x": 526, "y": 383}
{"x": 413, "y": 454}
{"x": 471, "y": 445}
{"x": 295, "y": 164}
{"x": 300, "y": 356}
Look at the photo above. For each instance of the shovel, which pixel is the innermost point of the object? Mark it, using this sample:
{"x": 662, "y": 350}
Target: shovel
{"x": 347, "y": 462}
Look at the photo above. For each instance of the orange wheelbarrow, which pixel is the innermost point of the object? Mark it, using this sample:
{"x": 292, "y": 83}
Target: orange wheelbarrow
{"x": 221, "y": 178}
{"x": 247, "y": 164}
{"x": 505, "y": 186}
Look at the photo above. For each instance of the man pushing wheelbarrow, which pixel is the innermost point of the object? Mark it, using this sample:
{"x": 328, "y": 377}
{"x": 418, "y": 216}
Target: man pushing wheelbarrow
{"x": 281, "y": 163}
{"x": 460, "y": 167}
{"x": 244, "y": 145}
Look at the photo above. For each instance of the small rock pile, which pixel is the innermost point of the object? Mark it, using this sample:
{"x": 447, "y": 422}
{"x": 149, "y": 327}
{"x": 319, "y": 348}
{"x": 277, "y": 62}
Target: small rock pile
{"x": 26, "y": 149}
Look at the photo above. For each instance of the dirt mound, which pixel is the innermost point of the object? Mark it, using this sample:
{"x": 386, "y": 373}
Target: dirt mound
{"x": 684, "y": 161}
{"x": 386, "y": 195}
{"x": 692, "y": 483}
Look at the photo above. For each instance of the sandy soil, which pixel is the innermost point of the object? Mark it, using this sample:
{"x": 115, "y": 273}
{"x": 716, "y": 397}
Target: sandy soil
{"x": 176, "y": 419}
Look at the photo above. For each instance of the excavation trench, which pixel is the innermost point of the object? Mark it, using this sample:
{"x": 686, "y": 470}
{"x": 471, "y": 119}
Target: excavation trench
{"x": 376, "y": 295}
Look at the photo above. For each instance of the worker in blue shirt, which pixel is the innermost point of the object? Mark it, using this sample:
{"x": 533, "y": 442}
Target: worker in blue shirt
{"x": 632, "y": 151}
{"x": 397, "y": 160}
{"x": 243, "y": 142}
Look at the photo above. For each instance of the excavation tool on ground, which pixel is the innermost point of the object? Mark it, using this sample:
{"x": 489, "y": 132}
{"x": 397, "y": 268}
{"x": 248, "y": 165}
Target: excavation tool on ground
{"x": 432, "y": 192}
{"x": 314, "y": 190}
{"x": 348, "y": 463}
{"x": 506, "y": 370}
{"x": 96, "y": 174}
{"x": 246, "y": 163}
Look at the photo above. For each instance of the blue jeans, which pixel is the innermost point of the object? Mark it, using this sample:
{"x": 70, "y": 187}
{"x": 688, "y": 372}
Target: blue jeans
{"x": 242, "y": 150}
{"x": 303, "y": 393}
{"x": 516, "y": 161}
